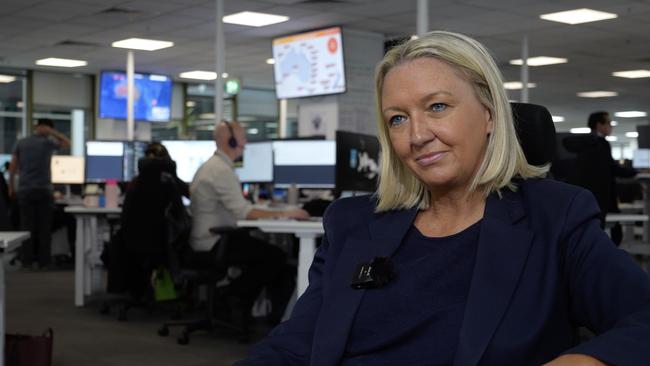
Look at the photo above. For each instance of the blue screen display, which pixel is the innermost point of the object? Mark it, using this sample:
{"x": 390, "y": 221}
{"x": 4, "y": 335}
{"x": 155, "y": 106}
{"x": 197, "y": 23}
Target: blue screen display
{"x": 152, "y": 100}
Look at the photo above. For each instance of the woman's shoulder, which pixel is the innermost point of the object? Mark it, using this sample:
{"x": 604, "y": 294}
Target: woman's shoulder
{"x": 547, "y": 195}
{"x": 350, "y": 210}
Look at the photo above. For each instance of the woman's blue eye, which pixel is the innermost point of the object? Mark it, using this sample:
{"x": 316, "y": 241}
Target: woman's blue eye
{"x": 396, "y": 120}
{"x": 438, "y": 107}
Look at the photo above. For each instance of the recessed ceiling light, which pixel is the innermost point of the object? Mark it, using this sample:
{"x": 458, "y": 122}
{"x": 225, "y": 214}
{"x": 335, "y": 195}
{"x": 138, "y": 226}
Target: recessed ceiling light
{"x": 514, "y": 85}
{"x": 61, "y": 62}
{"x": 613, "y": 123}
{"x": 414, "y": 37}
{"x": 632, "y": 134}
{"x": 540, "y": 61}
{"x": 630, "y": 114}
{"x": 270, "y": 61}
{"x": 578, "y": 16}
{"x": 224, "y": 75}
{"x": 597, "y": 94}
{"x": 253, "y": 19}
{"x": 632, "y": 74}
{"x": 7, "y": 78}
{"x": 558, "y": 119}
{"x": 611, "y": 138}
{"x": 580, "y": 130}
{"x": 199, "y": 75}
{"x": 142, "y": 44}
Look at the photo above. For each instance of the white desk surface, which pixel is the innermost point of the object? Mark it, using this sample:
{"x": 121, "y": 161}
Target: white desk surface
{"x": 616, "y": 217}
{"x": 92, "y": 210}
{"x": 285, "y": 226}
{"x": 9, "y": 240}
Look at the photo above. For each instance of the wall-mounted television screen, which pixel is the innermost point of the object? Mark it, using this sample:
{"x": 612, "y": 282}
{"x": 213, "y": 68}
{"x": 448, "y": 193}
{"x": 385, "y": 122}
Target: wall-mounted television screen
{"x": 309, "y": 64}
{"x": 152, "y": 99}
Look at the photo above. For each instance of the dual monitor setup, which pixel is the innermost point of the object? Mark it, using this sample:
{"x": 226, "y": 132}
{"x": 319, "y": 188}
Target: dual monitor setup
{"x": 349, "y": 163}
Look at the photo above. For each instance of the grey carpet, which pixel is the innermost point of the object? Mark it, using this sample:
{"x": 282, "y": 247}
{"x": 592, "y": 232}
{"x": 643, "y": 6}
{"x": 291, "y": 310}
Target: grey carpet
{"x": 82, "y": 336}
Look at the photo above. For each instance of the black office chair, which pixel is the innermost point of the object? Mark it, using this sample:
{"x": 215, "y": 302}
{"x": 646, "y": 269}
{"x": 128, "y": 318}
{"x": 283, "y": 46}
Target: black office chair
{"x": 535, "y": 131}
{"x": 222, "y": 309}
{"x": 153, "y": 221}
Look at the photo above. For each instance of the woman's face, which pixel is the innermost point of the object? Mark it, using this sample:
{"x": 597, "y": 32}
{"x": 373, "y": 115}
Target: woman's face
{"x": 437, "y": 126}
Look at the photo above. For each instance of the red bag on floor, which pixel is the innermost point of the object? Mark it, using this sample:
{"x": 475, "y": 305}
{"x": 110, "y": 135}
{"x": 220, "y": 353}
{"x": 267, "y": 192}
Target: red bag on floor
{"x": 26, "y": 350}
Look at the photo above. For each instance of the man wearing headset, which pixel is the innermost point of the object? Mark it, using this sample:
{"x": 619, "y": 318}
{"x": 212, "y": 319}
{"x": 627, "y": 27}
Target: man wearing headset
{"x": 217, "y": 201}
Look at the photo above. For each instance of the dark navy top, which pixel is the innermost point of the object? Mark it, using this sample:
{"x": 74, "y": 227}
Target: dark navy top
{"x": 420, "y": 312}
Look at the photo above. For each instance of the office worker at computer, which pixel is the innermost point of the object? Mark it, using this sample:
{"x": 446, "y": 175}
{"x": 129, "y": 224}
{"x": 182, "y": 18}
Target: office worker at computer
{"x": 464, "y": 256}
{"x": 31, "y": 161}
{"x": 217, "y": 201}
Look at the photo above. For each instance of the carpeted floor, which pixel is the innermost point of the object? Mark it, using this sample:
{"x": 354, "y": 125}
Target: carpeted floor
{"x": 36, "y": 300}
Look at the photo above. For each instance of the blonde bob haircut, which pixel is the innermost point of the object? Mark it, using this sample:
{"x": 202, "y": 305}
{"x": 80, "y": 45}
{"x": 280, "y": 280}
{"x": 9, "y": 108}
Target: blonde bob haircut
{"x": 503, "y": 160}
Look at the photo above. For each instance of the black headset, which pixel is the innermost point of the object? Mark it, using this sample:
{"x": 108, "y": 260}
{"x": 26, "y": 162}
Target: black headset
{"x": 232, "y": 141}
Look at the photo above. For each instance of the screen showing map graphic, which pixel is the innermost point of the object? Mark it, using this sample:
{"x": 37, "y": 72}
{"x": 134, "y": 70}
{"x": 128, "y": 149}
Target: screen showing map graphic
{"x": 152, "y": 99}
{"x": 309, "y": 64}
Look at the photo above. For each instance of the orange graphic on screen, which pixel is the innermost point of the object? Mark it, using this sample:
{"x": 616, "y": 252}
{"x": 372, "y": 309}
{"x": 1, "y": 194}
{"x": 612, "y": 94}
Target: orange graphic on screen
{"x": 332, "y": 45}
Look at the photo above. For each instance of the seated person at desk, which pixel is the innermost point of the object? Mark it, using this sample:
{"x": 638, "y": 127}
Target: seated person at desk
{"x": 476, "y": 259}
{"x": 217, "y": 201}
{"x": 31, "y": 161}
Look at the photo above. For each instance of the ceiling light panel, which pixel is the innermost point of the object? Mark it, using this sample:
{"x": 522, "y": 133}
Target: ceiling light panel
{"x": 61, "y": 62}
{"x": 540, "y": 61}
{"x": 632, "y": 74}
{"x": 142, "y": 44}
{"x": 630, "y": 114}
{"x": 514, "y": 85}
{"x": 253, "y": 19}
{"x": 597, "y": 94}
{"x": 199, "y": 75}
{"x": 578, "y": 16}
{"x": 7, "y": 78}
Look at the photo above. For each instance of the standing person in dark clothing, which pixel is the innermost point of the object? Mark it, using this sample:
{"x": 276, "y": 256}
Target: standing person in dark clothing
{"x": 31, "y": 161}
{"x": 607, "y": 169}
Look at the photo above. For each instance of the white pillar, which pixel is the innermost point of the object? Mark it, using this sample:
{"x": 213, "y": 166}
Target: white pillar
{"x": 78, "y": 132}
{"x": 422, "y": 17}
{"x": 130, "y": 92}
{"x": 220, "y": 63}
{"x": 524, "y": 70}
{"x": 283, "y": 128}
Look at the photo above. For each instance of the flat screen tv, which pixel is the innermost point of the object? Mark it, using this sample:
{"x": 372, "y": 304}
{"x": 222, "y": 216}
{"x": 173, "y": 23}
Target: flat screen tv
{"x": 152, "y": 100}
{"x": 357, "y": 162}
{"x": 309, "y": 64}
{"x": 305, "y": 163}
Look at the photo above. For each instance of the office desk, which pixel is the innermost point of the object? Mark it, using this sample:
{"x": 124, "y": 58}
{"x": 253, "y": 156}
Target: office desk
{"x": 9, "y": 241}
{"x": 88, "y": 248}
{"x": 306, "y": 231}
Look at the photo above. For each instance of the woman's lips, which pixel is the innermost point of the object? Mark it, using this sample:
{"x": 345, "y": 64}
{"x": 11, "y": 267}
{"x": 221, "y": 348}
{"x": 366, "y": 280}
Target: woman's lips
{"x": 430, "y": 158}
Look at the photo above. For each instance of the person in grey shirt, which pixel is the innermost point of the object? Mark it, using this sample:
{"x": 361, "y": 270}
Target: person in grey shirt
{"x": 217, "y": 200}
{"x": 31, "y": 161}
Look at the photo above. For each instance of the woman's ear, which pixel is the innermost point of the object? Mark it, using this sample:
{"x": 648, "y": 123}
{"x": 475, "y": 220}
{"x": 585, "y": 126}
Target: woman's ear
{"x": 489, "y": 122}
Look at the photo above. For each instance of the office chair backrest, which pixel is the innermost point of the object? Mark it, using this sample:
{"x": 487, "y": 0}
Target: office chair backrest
{"x": 535, "y": 131}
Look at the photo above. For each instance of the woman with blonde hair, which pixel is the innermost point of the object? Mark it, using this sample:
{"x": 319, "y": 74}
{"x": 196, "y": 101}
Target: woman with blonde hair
{"x": 465, "y": 255}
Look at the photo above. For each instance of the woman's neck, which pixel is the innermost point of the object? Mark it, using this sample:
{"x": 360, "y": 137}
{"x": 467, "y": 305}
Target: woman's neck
{"x": 451, "y": 213}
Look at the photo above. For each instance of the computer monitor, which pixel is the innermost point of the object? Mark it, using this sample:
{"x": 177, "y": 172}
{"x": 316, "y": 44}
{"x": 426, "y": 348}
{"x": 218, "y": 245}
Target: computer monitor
{"x": 133, "y": 152}
{"x": 641, "y": 159}
{"x": 257, "y": 163}
{"x": 305, "y": 163}
{"x": 643, "y": 140}
{"x": 189, "y": 155}
{"x": 104, "y": 161}
{"x": 357, "y": 162}
{"x": 67, "y": 169}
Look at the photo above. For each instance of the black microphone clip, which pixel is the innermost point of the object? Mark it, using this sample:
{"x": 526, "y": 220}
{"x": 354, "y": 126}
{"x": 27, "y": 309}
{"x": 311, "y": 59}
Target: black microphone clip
{"x": 375, "y": 274}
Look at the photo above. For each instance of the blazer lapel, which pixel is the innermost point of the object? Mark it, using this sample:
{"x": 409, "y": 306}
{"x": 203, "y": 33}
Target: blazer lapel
{"x": 502, "y": 253}
{"x": 341, "y": 300}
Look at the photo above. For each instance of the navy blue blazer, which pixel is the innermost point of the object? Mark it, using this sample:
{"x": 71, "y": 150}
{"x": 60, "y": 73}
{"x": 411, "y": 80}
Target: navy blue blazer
{"x": 543, "y": 268}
